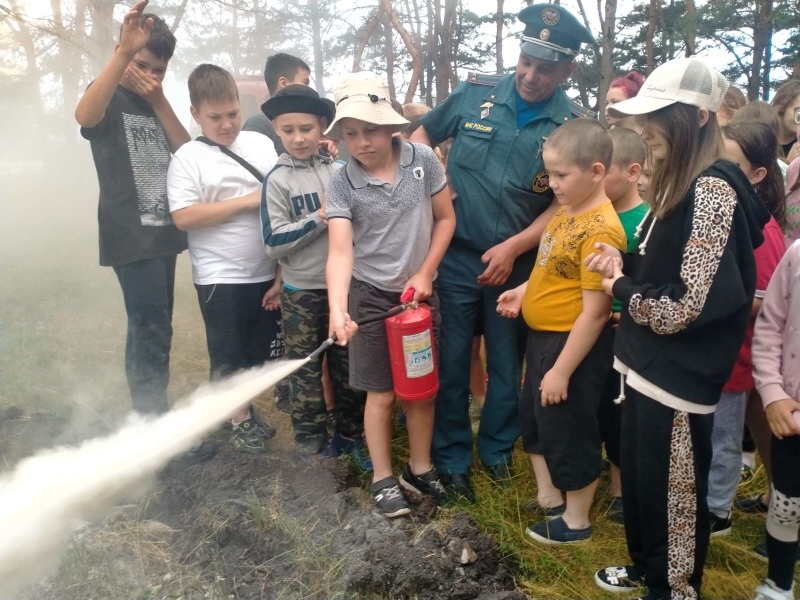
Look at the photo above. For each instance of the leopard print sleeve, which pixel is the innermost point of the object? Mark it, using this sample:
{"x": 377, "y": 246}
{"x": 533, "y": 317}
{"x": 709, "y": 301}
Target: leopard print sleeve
{"x": 715, "y": 202}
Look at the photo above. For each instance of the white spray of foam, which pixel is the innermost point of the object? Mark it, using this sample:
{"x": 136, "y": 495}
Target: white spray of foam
{"x": 50, "y": 495}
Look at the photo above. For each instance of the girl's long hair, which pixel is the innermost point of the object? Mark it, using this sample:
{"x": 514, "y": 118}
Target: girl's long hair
{"x": 691, "y": 149}
{"x": 758, "y": 110}
{"x": 759, "y": 146}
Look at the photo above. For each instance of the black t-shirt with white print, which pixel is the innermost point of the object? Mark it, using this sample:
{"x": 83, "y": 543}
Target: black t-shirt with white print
{"x": 131, "y": 155}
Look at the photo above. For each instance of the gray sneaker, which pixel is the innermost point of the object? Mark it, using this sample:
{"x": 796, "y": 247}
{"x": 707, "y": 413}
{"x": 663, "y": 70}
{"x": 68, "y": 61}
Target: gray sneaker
{"x": 389, "y": 498}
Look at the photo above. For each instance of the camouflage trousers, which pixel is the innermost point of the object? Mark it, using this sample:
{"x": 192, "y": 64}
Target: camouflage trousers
{"x": 305, "y": 327}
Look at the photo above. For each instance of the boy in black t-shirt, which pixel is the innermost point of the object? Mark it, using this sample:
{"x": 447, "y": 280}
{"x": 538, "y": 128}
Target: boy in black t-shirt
{"x": 133, "y": 130}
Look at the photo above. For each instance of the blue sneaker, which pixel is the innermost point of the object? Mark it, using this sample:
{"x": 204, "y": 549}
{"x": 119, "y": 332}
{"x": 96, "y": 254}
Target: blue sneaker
{"x": 356, "y": 450}
{"x": 556, "y": 531}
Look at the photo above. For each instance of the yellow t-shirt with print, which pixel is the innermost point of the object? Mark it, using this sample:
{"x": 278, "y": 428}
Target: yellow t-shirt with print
{"x": 554, "y": 299}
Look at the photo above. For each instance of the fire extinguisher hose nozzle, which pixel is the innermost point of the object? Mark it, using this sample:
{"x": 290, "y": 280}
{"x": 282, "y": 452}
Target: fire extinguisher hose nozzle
{"x": 323, "y": 346}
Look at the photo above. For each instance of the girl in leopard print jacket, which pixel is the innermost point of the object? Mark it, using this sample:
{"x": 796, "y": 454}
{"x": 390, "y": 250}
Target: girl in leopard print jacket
{"x": 686, "y": 299}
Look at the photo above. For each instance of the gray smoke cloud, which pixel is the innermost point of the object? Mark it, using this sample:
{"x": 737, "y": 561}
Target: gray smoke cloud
{"x": 50, "y": 495}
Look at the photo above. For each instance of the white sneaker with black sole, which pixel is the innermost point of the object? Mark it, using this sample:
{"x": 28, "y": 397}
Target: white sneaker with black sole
{"x": 620, "y": 580}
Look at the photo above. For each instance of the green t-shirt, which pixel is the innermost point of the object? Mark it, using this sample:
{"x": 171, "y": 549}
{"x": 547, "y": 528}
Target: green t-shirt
{"x": 630, "y": 220}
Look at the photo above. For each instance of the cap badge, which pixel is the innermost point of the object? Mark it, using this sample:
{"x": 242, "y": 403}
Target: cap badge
{"x": 544, "y": 35}
{"x": 541, "y": 182}
{"x": 419, "y": 173}
{"x": 550, "y": 16}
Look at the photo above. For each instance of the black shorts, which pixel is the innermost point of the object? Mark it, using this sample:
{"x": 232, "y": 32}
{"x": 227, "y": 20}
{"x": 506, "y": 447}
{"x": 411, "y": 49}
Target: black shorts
{"x": 567, "y": 434}
{"x": 370, "y": 367}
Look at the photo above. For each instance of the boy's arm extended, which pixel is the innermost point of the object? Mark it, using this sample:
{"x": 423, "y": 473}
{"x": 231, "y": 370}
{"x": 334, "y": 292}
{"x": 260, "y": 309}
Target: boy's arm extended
{"x": 338, "y": 272}
{"x": 444, "y": 225}
{"x": 133, "y": 37}
{"x": 584, "y": 334}
{"x": 509, "y": 303}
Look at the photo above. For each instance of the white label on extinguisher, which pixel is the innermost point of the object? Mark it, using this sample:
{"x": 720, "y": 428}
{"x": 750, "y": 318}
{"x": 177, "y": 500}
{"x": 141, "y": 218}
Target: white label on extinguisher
{"x": 418, "y": 353}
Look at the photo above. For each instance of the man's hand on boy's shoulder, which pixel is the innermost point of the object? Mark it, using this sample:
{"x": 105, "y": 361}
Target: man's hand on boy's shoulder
{"x": 133, "y": 36}
{"x": 142, "y": 84}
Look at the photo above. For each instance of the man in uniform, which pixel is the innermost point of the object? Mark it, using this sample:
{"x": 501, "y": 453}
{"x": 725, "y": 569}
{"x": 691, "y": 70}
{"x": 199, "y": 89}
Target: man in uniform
{"x": 502, "y": 206}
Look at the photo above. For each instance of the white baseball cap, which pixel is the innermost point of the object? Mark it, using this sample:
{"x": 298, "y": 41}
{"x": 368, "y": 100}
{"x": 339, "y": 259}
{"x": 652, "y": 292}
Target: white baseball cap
{"x": 684, "y": 80}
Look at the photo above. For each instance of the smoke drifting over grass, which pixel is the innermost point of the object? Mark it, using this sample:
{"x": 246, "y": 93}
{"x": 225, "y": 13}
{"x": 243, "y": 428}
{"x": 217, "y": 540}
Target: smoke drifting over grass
{"x": 50, "y": 495}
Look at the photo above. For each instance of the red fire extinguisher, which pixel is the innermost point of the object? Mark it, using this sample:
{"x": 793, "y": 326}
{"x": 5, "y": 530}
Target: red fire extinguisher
{"x": 412, "y": 351}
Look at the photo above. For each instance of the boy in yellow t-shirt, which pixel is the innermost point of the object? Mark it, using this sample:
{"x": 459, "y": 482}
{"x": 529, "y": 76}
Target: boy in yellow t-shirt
{"x": 568, "y": 351}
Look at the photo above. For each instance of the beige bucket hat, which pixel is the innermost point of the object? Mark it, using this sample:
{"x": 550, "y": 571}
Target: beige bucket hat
{"x": 364, "y": 96}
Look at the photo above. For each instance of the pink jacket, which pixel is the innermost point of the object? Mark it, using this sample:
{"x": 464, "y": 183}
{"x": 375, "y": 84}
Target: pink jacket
{"x": 776, "y": 342}
{"x": 792, "y": 203}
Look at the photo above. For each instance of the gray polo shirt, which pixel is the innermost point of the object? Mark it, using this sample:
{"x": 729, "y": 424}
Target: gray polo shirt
{"x": 392, "y": 226}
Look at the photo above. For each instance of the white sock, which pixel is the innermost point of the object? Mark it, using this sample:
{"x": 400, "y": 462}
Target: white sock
{"x": 235, "y": 423}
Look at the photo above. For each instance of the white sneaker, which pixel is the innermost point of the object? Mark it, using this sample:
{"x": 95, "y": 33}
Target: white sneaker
{"x": 769, "y": 591}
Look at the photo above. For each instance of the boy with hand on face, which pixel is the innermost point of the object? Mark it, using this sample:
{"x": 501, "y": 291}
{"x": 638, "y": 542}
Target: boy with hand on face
{"x": 390, "y": 219}
{"x": 214, "y": 187}
{"x": 133, "y": 130}
{"x": 295, "y": 233}
{"x": 568, "y": 350}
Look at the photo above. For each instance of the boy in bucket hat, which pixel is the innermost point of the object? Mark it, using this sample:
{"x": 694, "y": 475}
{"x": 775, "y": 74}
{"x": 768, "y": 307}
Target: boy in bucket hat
{"x": 390, "y": 219}
{"x": 499, "y": 125}
{"x": 295, "y": 233}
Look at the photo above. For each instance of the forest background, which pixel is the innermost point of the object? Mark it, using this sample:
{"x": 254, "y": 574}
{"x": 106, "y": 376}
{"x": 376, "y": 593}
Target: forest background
{"x": 51, "y": 49}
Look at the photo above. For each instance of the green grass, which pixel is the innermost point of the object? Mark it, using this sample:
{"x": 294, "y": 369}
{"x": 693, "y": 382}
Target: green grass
{"x": 562, "y": 573}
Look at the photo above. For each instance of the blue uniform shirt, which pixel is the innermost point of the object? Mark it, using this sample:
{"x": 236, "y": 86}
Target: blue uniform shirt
{"x": 495, "y": 166}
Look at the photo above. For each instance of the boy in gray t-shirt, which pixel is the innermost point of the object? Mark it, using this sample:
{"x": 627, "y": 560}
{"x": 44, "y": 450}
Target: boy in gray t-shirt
{"x": 390, "y": 220}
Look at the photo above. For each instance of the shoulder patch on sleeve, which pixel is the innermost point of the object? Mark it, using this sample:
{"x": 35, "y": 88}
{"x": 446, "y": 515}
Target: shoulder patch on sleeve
{"x": 487, "y": 79}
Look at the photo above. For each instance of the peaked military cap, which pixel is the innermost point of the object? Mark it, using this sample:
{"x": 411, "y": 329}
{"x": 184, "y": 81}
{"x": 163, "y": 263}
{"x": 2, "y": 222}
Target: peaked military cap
{"x": 552, "y": 33}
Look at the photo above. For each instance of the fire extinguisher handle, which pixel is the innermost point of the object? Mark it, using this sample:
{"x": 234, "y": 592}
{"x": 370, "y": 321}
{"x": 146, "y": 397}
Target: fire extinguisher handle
{"x": 407, "y": 296}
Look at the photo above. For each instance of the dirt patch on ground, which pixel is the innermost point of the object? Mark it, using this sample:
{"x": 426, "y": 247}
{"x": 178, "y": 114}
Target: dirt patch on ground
{"x": 276, "y": 526}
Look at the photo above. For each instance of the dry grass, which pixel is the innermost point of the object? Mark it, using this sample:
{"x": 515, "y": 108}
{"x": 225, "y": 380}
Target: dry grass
{"x": 125, "y": 558}
{"x": 565, "y": 573}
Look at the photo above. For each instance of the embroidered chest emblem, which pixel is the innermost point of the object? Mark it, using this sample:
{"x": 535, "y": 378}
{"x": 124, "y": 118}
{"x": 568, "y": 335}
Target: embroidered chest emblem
{"x": 541, "y": 183}
{"x": 418, "y": 172}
